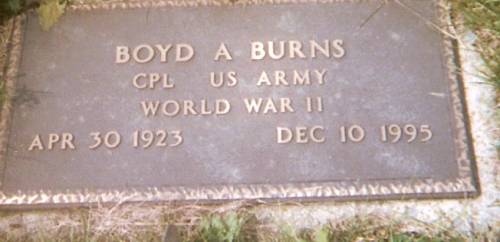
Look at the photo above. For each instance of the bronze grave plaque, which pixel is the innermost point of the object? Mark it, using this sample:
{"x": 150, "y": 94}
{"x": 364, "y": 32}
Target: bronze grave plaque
{"x": 208, "y": 101}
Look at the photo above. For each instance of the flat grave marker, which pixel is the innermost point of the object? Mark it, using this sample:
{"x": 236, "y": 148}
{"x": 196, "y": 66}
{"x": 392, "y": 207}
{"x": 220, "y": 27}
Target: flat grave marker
{"x": 300, "y": 101}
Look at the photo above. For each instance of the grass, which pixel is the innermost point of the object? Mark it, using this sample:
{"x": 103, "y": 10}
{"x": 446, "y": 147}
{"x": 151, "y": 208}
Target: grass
{"x": 483, "y": 17}
{"x": 233, "y": 222}
{"x": 9, "y": 8}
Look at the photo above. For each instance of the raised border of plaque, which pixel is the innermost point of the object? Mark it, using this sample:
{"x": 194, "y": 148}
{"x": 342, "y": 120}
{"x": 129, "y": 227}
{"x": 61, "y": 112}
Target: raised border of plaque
{"x": 464, "y": 186}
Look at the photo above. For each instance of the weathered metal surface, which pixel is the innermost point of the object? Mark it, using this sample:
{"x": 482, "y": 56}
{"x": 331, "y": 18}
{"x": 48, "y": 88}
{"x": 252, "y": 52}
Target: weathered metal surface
{"x": 389, "y": 72}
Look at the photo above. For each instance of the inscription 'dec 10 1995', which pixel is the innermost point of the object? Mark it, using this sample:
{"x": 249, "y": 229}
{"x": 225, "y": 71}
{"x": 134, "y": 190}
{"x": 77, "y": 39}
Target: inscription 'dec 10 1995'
{"x": 260, "y": 101}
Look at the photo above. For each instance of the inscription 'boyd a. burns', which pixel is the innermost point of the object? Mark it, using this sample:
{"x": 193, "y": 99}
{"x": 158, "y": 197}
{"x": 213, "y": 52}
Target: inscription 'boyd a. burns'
{"x": 259, "y": 50}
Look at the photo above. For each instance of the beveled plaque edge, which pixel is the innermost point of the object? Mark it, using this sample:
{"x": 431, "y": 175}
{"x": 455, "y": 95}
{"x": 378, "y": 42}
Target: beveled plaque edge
{"x": 466, "y": 185}
{"x": 10, "y": 71}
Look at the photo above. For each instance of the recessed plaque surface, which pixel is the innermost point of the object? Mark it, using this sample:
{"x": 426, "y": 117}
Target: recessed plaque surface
{"x": 156, "y": 101}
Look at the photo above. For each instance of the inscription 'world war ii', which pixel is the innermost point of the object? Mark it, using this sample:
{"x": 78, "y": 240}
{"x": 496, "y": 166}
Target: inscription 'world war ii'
{"x": 304, "y": 99}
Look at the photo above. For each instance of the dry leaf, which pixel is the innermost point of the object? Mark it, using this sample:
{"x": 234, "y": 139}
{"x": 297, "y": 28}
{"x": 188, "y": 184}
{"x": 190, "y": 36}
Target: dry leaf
{"x": 49, "y": 12}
